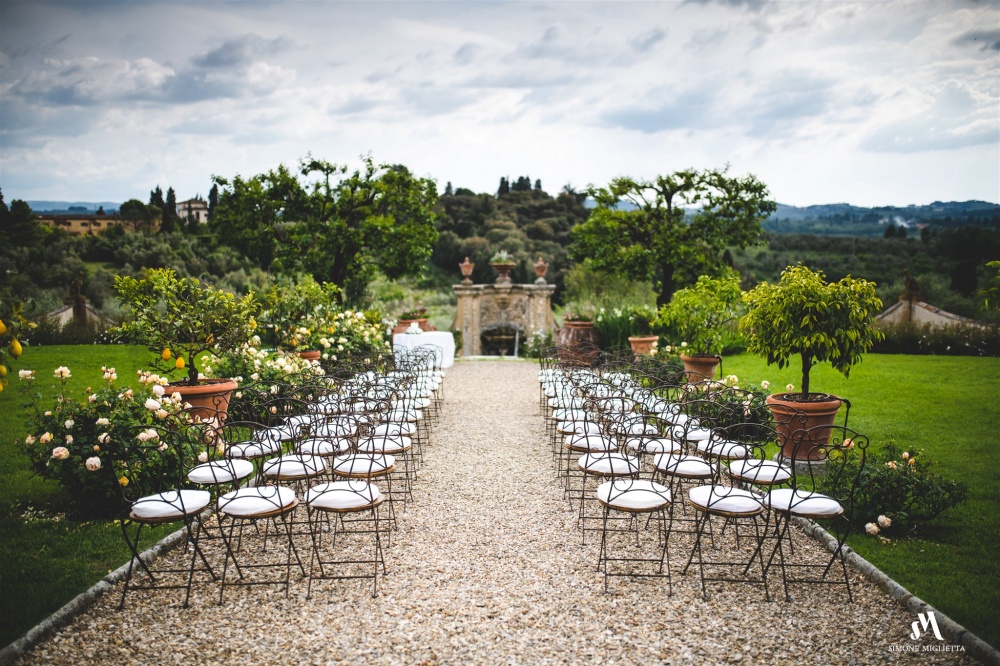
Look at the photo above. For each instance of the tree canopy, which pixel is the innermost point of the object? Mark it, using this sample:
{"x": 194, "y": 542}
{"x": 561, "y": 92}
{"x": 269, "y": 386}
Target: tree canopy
{"x": 337, "y": 226}
{"x": 641, "y": 230}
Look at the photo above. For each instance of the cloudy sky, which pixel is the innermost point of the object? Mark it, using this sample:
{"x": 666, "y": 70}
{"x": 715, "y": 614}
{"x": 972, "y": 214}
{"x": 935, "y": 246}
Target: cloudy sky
{"x": 872, "y": 103}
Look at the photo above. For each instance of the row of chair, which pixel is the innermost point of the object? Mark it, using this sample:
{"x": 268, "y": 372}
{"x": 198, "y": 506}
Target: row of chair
{"x": 645, "y": 455}
{"x": 292, "y": 466}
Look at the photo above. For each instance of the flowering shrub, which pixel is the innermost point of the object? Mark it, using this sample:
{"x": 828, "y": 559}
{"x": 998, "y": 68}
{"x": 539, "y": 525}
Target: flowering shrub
{"x": 80, "y": 441}
{"x": 699, "y": 314}
{"x": 249, "y": 363}
{"x": 897, "y": 490}
{"x": 352, "y": 333}
{"x": 293, "y": 306}
{"x": 957, "y": 340}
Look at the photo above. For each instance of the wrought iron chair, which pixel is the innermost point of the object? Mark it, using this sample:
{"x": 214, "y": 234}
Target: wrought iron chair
{"x": 151, "y": 475}
{"x": 821, "y": 489}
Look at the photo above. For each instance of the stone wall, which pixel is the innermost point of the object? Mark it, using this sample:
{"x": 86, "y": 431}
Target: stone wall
{"x": 483, "y": 307}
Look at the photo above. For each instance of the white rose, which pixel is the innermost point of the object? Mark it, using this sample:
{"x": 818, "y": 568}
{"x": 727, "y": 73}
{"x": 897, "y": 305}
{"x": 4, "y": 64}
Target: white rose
{"x": 29, "y": 440}
{"x": 158, "y": 391}
{"x": 92, "y": 398}
{"x": 152, "y": 404}
{"x": 765, "y": 384}
{"x": 93, "y": 464}
{"x": 203, "y": 457}
{"x": 26, "y": 374}
{"x": 161, "y": 413}
{"x": 69, "y": 439}
{"x": 69, "y": 424}
{"x": 104, "y": 438}
{"x": 62, "y": 372}
{"x": 871, "y": 528}
{"x": 60, "y": 453}
{"x": 45, "y": 438}
{"x": 884, "y": 522}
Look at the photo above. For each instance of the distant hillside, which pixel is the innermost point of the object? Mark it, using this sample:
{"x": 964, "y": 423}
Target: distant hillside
{"x": 85, "y": 207}
{"x": 846, "y": 220}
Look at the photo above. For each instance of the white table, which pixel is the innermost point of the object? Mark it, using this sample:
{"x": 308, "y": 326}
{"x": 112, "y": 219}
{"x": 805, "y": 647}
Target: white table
{"x": 443, "y": 342}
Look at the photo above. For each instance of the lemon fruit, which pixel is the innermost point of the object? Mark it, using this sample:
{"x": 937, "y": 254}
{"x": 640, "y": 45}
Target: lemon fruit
{"x": 3, "y": 328}
{"x": 15, "y": 348}
{"x": 3, "y": 370}
{"x": 166, "y": 354}
{"x": 179, "y": 363}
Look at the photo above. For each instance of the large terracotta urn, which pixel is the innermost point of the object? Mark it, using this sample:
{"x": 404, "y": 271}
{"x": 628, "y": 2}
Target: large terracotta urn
{"x": 642, "y": 345}
{"x": 578, "y": 343}
{"x": 209, "y": 398}
{"x": 800, "y": 423}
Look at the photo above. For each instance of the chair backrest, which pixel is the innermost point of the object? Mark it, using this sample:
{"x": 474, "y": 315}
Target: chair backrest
{"x": 154, "y": 457}
{"x": 836, "y": 466}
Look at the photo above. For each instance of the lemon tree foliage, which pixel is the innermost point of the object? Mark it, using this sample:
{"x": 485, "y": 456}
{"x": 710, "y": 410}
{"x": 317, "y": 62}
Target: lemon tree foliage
{"x": 823, "y": 322}
{"x": 12, "y": 323}
{"x": 291, "y": 301}
{"x": 697, "y": 314}
{"x": 640, "y": 229}
{"x": 178, "y": 318}
{"x": 338, "y": 226}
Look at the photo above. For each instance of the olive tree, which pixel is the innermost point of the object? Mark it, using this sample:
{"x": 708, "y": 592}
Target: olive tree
{"x": 641, "y": 230}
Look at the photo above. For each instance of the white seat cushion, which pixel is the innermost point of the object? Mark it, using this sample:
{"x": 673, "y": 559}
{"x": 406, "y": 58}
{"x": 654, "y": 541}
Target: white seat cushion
{"x": 363, "y": 465}
{"x": 654, "y": 445}
{"x": 171, "y": 504}
{"x": 803, "y": 503}
{"x": 323, "y": 447}
{"x": 343, "y": 495}
{"x": 254, "y": 501}
{"x": 759, "y": 471}
{"x": 590, "y": 443}
{"x": 394, "y": 429}
{"x": 220, "y": 471}
{"x": 294, "y": 466}
{"x": 578, "y": 428}
{"x": 250, "y": 450}
{"x": 609, "y": 464}
{"x": 690, "y": 467}
{"x": 633, "y": 494}
{"x": 693, "y": 434}
{"x": 385, "y": 444}
{"x": 725, "y": 449}
{"x": 724, "y": 499}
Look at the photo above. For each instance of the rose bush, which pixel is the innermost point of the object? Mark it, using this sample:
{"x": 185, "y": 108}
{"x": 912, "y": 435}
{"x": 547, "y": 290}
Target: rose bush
{"x": 79, "y": 442}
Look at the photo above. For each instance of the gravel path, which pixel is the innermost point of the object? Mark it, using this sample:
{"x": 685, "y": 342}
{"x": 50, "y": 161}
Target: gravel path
{"x": 487, "y": 567}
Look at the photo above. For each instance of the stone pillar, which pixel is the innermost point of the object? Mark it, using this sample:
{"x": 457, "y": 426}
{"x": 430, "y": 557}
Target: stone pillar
{"x": 482, "y": 306}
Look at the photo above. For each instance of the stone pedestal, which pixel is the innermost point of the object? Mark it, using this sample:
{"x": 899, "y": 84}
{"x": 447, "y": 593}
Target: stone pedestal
{"x": 526, "y": 308}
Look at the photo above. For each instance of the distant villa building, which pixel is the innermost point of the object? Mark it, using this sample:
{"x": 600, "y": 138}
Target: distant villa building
{"x": 910, "y": 309}
{"x": 79, "y": 225}
{"x": 196, "y": 208}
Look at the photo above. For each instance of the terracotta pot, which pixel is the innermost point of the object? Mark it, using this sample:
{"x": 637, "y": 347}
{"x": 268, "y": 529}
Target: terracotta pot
{"x": 209, "y": 398}
{"x": 699, "y": 368}
{"x": 791, "y": 417}
{"x": 404, "y": 324}
{"x": 642, "y": 345}
{"x": 310, "y": 355}
{"x": 578, "y": 342}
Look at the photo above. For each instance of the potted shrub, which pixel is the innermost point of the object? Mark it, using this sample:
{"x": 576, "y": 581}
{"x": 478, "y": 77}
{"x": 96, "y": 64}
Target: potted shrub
{"x": 641, "y": 337}
{"x": 698, "y": 314}
{"x": 181, "y": 318}
{"x": 821, "y": 321}
{"x": 503, "y": 262}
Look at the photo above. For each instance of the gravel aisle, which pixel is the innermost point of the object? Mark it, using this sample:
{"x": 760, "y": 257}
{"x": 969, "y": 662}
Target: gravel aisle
{"x": 487, "y": 568}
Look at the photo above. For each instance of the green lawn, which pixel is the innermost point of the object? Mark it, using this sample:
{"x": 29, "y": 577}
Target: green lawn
{"x": 949, "y": 406}
{"x": 45, "y": 562}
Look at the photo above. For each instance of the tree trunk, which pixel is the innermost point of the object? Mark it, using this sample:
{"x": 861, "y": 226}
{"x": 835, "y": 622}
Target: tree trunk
{"x": 666, "y": 285}
{"x": 806, "y": 366}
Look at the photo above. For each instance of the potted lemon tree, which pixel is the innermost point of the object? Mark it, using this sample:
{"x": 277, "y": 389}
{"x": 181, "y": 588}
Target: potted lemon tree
{"x": 697, "y": 315}
{"x": 179, "y": 318}
{"x": 821, "y": 322}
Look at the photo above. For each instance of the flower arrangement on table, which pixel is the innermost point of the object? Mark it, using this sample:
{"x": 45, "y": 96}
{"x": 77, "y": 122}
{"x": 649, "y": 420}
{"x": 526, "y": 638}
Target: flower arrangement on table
{"x": 180, "y": 318}
{"x": 74, "y": 442}
{"x": 419, "y": 312}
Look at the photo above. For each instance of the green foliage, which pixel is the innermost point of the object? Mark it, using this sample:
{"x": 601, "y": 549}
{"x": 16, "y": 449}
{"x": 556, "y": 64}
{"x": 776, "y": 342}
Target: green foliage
{"x": 185, "y": 317}
{"x": 900, "y": 485}
{"x": 818, "y": 320}
{"x": 616, "y": 325}
{"x": 699, "y": 314}
{"x": 991, "y": 293}
{"x": 50, "y": 332}
{"x": 13, "y": 327}
{"x": 80, "y": 441}
{"x": 640, "y": 230}
{"x": 537, "y": 345}
{"x": 291, "y": 303}
{"x": 955, "y": 340}
{"x": 584, "y": 283}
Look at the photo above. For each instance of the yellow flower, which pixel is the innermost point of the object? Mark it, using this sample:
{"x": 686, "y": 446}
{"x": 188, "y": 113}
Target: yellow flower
{"x": 123, "y": 481}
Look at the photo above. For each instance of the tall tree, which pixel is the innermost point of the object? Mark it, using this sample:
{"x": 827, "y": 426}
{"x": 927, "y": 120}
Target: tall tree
{"x": 156, "y": 198}
{"x": 448, "y": 191}
{"x": 640, "y": 229}
{"x": 168, "y": 223}
{"x": 504, "y": 187}
{"x": 339, "y": 227}
{"x": 213, "y": 199}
